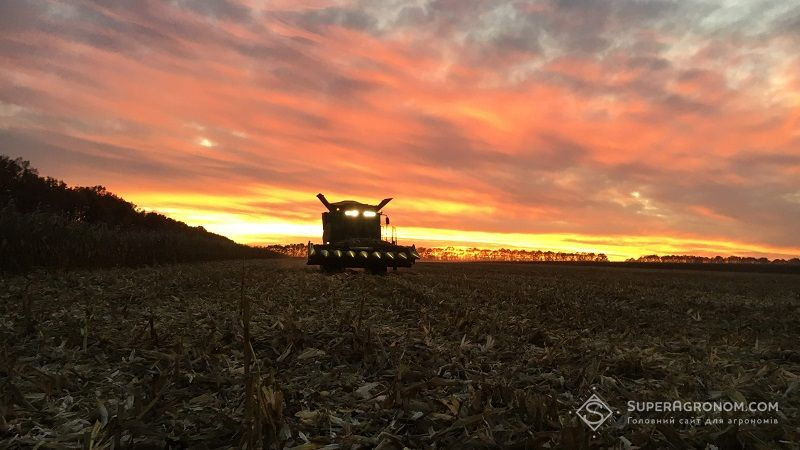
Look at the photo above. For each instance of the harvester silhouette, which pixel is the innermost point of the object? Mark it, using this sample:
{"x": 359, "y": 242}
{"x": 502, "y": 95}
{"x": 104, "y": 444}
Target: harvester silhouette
{"x": 351, "y": 237}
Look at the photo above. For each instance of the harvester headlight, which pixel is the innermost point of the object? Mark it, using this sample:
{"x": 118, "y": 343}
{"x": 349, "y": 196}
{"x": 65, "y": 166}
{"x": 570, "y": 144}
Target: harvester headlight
{"x": 370, "y": 213}
{"x": 351, "y": 213}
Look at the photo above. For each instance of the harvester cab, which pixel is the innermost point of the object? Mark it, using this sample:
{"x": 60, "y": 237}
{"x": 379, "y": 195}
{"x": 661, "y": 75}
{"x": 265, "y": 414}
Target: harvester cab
{"x": 352, "y": 236}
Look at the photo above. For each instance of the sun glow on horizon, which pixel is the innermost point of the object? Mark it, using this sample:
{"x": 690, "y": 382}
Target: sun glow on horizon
{"x": 265, "y": 229}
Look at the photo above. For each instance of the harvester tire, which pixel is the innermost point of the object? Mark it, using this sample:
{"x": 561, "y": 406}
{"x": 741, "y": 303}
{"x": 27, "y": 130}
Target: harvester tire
{"x": 330, "y": 268}
{"x": 377, "y": 270}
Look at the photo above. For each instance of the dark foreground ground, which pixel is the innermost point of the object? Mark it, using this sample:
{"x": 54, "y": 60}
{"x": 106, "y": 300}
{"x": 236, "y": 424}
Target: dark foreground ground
{"x": 440, "y": 356}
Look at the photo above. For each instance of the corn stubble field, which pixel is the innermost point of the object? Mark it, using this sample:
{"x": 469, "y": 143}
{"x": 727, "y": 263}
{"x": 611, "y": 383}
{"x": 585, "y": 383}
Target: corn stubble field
{"x": 277, "y": 355}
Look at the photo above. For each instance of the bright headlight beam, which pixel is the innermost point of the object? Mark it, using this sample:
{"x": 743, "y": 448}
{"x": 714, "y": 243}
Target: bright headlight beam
{"x": 370, "y": 213}
{"x": 351, "y": 213}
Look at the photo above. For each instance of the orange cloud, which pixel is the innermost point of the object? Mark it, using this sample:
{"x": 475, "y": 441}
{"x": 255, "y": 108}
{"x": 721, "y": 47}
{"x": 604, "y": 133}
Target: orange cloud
{"x": 491, "y": 124}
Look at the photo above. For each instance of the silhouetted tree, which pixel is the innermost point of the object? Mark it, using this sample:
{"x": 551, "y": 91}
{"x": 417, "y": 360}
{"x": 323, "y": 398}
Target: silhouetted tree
{"x": 44, "y": 222}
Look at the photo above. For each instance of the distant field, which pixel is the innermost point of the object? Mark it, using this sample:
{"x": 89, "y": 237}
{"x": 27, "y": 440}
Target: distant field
{"x": 442, "y": 355}
{"x": 729, "y": 267}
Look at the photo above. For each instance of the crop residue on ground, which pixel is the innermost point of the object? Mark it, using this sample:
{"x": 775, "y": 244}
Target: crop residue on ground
{"x": 441, "y": 356}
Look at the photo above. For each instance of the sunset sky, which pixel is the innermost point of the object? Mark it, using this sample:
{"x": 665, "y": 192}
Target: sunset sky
{"x": 623, "y": 126}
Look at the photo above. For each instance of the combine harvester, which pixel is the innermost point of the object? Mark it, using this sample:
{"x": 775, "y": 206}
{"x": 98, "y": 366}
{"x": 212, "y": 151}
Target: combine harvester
{"x": 351, "y": 237}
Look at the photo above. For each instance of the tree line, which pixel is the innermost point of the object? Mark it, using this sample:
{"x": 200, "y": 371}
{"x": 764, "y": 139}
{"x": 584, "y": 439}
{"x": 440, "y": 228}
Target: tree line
{"x": 45, "y": 223}
{"x": 692, "y": 259}
{"x": 290, "y": 250}
{"x": 504, "y": 254}
{"x": 468, "y": 254}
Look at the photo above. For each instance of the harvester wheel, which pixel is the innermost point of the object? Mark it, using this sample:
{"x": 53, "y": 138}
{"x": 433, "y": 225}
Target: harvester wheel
{"x": 377, "y": 270}
{"x": 330, "y": 268}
